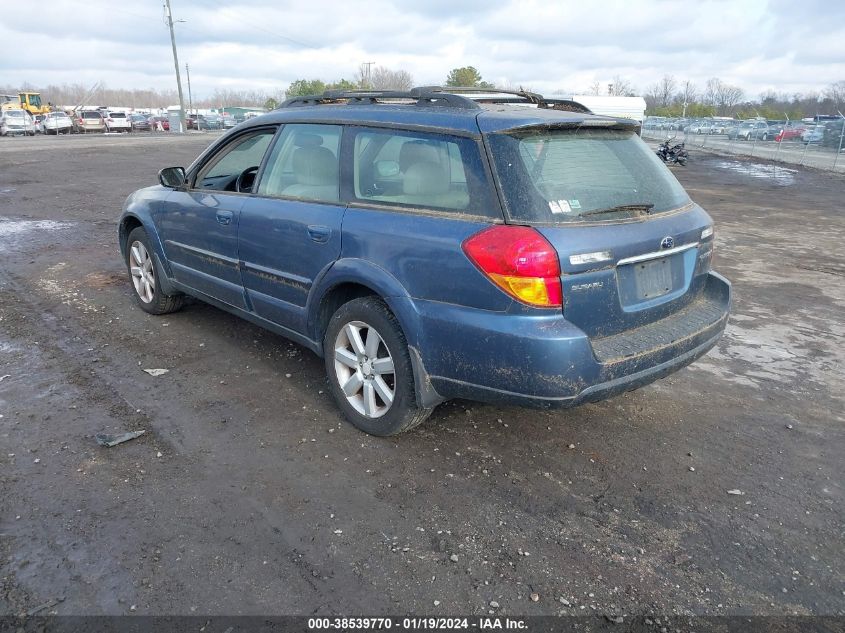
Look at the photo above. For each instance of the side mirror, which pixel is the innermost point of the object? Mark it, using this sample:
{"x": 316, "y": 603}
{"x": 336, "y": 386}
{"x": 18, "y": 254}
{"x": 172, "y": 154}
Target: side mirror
{"x": 172, "y": 177}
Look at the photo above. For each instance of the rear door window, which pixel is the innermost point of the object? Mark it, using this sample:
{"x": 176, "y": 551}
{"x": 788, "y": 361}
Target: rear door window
{"x": 420, "y": 170}
{"x": 304, "y": 164}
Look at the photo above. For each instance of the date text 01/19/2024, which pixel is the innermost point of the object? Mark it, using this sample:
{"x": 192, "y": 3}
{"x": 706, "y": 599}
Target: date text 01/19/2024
{"x": 414, "y": 623}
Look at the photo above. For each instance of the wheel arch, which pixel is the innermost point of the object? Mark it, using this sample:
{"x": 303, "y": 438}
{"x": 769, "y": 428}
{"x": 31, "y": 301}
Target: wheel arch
{"x": 347, "y": 280}
{"x": 128, "y": 223}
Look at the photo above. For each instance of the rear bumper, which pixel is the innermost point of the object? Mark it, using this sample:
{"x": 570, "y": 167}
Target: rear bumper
{"x": 546, "y": 362}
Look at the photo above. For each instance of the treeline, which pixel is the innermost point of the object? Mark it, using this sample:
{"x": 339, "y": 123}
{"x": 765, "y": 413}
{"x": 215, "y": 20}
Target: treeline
{"x": 667, "y": 97}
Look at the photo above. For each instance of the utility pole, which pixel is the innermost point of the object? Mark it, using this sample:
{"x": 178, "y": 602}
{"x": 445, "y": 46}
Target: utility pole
{"x": 169, "y": 17}
{"x": 190, "y": 98}
{"x": 366, "y": 75}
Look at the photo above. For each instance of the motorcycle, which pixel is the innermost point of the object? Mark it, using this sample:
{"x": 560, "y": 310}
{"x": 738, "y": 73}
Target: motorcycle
{"x": 675, "y": 155}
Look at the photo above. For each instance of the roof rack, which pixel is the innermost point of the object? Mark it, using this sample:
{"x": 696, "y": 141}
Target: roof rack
{"x": 523, "y": 95}
{"x": 490, "y": 95}
{"x": 443, "y": 96}
{"x": 423, "y": 97}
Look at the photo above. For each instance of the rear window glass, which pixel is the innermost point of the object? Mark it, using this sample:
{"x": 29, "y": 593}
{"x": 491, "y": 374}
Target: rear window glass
{"x": 557, "y": 176}
{"x": 421, "y": 170}
{"x": 117, "y": 115}
{"x": 90, "y": 115}
{"x": 15, "y": 113}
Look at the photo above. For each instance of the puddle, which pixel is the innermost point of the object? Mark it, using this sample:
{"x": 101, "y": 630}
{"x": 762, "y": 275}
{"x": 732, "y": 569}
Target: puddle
{"x": 6, "y": 192}
{"x": 16, "y": 228}
{"x": 774, "y": 173}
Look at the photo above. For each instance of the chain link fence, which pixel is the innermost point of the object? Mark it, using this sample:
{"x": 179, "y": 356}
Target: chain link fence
{"x": 820, "y": 145}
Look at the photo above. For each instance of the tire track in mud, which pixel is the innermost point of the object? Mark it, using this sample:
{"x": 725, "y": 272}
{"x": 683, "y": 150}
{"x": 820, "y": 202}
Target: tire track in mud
{"x": 101, "y": 386}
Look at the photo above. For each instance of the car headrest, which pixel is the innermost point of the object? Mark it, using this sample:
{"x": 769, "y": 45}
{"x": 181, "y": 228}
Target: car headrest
{"x": 303, "y": 139}
{"x": 416, "y": 152}
{"x": 315, "y": 166}
{"x": 425, "y": 179}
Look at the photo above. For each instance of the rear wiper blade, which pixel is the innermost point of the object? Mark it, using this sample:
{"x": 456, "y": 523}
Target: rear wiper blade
{"x": 645, "y": 207}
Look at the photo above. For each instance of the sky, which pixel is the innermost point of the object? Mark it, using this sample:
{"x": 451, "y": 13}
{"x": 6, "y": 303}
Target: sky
{"x": 549, "y": 46}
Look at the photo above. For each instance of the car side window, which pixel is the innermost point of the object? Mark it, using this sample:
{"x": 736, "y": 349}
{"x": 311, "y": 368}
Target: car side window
{"x": 304, "y": 164}
{"x": 421, "y": 170}
{"x": 221, "y": 172}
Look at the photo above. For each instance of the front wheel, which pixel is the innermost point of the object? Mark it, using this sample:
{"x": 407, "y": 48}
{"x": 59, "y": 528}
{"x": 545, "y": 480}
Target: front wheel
{"x": 369, "y": 368}
{"x": 146, "y": 276}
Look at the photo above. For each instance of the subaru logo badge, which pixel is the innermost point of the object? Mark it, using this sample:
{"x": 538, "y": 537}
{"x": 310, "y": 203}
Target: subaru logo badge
{"x": 667, "y": 242}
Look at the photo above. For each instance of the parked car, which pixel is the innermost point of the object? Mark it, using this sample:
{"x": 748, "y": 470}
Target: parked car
{"x": 139, "y": 123}
{"x": 789, "y": 132}
{"x": 700, "y": 127}
{"x": 721, "y": 127}
{"x": 16, "y": 121}
{"x": 57, "y": 123}
{"x": 750, "y": 130}
{"x": 210, "y": 122}
{"x": 116, "y": 121}
{"x": 159, "y": 121}
{"x": 833, "y": 134}
{"x": 436, "y": 248}
{"x": 813, "y": 134}
{"x": 88, "y": 121}
{"x": 228, "y": 121}
{"x": 204, "y": 122}
{"x": 38, "y": 123}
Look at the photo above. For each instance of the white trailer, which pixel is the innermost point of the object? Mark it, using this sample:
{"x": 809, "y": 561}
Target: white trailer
{"x": 620, "y": 107}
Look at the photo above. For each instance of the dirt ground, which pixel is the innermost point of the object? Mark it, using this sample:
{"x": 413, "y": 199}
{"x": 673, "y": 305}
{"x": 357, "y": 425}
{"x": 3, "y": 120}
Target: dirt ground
{"x": 248, "y": 494}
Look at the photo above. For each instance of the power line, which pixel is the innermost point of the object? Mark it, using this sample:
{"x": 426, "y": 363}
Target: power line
{"x": 258, "y": 28}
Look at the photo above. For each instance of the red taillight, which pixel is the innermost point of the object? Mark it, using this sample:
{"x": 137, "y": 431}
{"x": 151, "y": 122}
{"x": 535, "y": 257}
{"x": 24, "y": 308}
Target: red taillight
{"x": 520, "y": 261}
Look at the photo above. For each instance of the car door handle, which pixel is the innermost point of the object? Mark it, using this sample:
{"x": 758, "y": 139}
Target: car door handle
{"x": 319, "y": 233}
{"x": 224, "y": 217}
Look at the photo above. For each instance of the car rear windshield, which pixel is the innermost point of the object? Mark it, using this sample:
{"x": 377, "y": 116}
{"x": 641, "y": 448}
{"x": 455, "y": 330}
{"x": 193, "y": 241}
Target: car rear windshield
{"x": 553, "y": 176}
{"x": 117, "y": 115}
{"x": 90, "y": 115}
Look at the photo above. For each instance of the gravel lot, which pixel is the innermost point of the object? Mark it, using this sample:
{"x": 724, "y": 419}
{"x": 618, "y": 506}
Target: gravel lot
{"x": 249, "y": 494}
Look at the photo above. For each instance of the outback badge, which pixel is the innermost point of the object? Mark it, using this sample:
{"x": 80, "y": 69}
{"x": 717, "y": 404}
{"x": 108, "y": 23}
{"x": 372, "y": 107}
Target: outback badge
{"x": 667, "y": 242}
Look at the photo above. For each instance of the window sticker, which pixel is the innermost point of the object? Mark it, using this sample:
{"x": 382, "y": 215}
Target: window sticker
{"x": 564, "y": 206}
{"x": 555, "y": 207}
{"x": 575, "y": 204}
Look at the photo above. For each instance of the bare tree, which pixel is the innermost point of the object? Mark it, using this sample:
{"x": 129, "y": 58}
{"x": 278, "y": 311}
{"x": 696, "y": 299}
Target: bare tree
{"x": 595, "y": 88}
{"x": 620, "y": 87}
{"x": 386, "y": 79}
{"x": 721, "y": 96}
{"x": 835, "y": 92}
{"x": 667, "y": 87}
{"x": 688, "y": 92}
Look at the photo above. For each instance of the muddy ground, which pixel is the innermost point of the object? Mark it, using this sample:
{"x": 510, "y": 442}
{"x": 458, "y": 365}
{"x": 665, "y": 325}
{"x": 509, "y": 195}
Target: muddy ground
{"x": 249, "y": 494}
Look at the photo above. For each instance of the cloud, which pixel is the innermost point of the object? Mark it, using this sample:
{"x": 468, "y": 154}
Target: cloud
{"x": 266, "y": 44}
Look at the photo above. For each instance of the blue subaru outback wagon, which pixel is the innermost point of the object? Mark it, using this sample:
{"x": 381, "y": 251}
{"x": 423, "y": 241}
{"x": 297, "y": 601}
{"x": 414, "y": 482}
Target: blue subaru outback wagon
{"x": 432, "y": 245}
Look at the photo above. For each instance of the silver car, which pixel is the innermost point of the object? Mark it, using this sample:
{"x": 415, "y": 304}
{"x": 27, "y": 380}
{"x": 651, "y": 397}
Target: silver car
{"x": 57, "y": 123}
{"x": 16, "y": 122}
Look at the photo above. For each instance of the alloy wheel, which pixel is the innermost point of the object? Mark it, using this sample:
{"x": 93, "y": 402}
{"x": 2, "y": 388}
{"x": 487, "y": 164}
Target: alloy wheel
{"x": 143, "y": 273}
{"x": 364, "y": 369}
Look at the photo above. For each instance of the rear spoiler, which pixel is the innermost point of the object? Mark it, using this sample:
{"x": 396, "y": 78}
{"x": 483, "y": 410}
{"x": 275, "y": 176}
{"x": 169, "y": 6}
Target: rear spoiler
{"x": 628, "y": 125}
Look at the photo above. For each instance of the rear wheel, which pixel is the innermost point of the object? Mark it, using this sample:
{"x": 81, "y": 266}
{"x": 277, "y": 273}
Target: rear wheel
{"x": 369, "y": 368}
{"x": 145, "y": 275}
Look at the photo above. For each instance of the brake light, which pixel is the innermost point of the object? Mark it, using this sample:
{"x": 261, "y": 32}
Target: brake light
{"x": 520, "y": 261}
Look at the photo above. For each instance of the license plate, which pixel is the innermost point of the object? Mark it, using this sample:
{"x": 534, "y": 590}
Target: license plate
{"x": 653, "y": 278}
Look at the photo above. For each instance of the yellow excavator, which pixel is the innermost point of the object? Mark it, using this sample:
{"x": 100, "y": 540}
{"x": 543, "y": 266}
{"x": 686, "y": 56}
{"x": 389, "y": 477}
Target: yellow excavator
{"x": 29, "y": 101}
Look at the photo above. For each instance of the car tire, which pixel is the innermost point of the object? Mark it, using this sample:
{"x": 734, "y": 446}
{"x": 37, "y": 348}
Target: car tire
{"x": 145, "y": 275}
{"x": 371, "y": 379}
